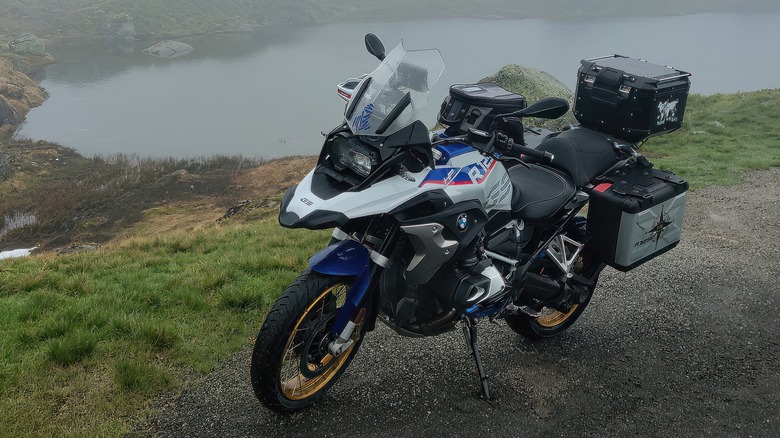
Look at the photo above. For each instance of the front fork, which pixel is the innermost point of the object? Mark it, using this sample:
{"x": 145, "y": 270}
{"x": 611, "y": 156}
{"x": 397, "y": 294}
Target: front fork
{"x": 351, "y": 258}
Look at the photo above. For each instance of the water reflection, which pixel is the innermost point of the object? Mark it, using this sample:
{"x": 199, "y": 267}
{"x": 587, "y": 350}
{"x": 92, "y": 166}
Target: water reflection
{"x": 81, "y": 66}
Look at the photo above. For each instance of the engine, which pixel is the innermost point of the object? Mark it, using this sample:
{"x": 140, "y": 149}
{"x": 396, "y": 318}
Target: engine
{"x": 462, "y": 283}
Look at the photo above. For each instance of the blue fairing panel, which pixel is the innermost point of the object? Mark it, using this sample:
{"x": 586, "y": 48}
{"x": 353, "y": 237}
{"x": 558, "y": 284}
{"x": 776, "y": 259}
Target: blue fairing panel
{"x": 350, "y": 259}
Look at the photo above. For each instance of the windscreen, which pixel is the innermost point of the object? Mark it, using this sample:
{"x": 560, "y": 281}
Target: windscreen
{"x": 378, "y": 110}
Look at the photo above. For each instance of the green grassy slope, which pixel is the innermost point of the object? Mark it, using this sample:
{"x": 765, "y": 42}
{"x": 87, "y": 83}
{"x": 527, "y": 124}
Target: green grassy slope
{"x": 88, "y": 339}
{"x": 722, "y": 136}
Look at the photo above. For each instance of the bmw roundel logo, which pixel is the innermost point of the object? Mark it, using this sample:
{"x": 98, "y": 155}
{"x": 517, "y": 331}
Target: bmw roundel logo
{"x": 463, "y": 222}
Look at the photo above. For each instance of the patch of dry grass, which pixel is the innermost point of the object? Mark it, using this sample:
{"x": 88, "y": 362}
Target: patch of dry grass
{"x": 272, "y": 178}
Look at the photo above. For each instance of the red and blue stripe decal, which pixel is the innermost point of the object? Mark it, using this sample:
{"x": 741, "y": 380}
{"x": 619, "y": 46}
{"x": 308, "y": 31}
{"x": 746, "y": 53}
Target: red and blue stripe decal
{"x": 472, "y": 174}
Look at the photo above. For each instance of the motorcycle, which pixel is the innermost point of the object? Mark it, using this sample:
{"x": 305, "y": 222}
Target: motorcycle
{"x": 482, "y": 220}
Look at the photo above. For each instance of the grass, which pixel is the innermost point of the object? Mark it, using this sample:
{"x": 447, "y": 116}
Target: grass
{"x": 89, "y": 339}
{"x": 722, "y": 137}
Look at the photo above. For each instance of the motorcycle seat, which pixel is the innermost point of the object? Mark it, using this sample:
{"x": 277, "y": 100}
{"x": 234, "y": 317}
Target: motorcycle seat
{"x": 582, "y": 153}
{"x": 538, "y": 192}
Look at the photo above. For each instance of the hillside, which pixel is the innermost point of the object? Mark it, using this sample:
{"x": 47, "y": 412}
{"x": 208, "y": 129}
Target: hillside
{"x": 79, "y": 20}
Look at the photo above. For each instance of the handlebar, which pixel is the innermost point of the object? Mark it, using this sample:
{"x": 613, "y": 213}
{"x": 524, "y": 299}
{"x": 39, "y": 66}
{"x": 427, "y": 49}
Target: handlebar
{"x": 497, "y": 141}
{"x": 505, "y": 144}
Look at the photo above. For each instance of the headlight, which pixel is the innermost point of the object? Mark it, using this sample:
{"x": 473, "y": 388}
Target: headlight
{"x": 348, "y": 153}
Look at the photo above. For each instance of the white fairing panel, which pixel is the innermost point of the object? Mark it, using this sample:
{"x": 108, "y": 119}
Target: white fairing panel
{"x": 467, "y": 176}
{"x": 379, "y": 198}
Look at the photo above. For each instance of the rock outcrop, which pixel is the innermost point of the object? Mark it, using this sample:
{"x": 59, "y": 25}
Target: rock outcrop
{"x": 7, "y": 114}
{"x": 27, "y": 44}
{"x": 18, "y": 92}
{"x": 169, "y": 49}
{"x": 120, "y": 28}
{"x": 11, "y": 91}
{"x": 534, "y": 85}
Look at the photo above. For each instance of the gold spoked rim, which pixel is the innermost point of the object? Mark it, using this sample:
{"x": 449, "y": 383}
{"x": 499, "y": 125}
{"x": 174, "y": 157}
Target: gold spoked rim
{"x": 293, "y": 383}
{"x": 551, "y": 317}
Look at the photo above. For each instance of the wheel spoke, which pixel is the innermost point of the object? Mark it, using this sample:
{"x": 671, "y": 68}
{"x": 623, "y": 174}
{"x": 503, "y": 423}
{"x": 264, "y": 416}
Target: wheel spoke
{"x": 553, "y": 317}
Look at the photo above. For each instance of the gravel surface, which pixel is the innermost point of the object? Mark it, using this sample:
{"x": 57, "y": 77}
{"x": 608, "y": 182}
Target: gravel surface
{"x": 685, "y": 345}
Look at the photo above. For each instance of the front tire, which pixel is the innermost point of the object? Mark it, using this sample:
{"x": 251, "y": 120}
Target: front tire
{"x": 291, "y": 366}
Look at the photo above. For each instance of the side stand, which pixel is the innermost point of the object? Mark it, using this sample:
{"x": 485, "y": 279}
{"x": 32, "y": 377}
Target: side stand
{"x": 470, "y": 331}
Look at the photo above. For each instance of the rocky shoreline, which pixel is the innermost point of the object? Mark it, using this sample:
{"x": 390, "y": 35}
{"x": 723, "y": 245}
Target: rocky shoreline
{"x": 70, "y": 199}
{"x": 21, "y": 60}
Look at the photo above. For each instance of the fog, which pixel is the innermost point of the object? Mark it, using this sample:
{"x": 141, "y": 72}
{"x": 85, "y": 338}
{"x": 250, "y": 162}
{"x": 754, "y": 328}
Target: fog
{"x": 73, "y": 21}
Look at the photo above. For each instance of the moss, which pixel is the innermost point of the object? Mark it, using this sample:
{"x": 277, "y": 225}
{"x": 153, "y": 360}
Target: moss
{"x": 534, "y": 85}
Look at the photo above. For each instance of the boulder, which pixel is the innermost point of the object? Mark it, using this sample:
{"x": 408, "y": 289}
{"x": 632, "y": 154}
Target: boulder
{"x": 77, "y": 248}
{"x": 534, "y": 85}
{"x": 27, "y": 44}
{"x": 169, "y": 49}
{"x": 31, "y": 65}
{"x": 236, "y": 209}
{"x": 120, "y": 28}
{"x": 11, "y": 91}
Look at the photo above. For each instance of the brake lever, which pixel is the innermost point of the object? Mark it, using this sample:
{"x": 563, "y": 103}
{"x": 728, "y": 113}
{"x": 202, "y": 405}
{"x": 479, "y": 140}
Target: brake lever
{"x": 449, "y": 140}
{"x": 477, "y": 139}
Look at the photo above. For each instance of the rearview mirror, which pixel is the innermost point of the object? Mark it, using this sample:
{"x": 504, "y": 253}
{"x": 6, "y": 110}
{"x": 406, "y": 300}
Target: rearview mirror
{"x": 547, "y": 108}
{"x": 374, "y": 46}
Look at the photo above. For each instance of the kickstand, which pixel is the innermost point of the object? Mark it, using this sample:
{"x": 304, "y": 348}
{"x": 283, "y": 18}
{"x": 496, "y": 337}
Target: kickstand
{"x": 470, "y": 331}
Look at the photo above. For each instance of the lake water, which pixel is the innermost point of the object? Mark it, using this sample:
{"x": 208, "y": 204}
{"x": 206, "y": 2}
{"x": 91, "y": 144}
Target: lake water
{"x": 271, "y": 94}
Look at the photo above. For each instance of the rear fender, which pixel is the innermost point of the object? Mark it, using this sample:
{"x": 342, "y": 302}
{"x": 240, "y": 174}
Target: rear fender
{"x": 345, "y": 259}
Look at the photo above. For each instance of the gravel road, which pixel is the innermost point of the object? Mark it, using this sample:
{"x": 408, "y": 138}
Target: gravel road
{"x": 686, "y": 345}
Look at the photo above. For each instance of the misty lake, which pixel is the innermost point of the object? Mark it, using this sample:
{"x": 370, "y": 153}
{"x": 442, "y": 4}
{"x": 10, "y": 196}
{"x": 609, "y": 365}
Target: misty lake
{"x": 270, "y": 94}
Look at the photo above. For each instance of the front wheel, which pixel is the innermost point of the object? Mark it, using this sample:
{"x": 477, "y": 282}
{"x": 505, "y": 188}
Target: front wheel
{"x": 291, "y": 366}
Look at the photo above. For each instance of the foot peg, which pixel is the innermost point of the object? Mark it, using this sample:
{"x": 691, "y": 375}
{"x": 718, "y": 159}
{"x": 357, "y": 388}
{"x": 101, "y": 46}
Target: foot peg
{"x": 522, "y": 310}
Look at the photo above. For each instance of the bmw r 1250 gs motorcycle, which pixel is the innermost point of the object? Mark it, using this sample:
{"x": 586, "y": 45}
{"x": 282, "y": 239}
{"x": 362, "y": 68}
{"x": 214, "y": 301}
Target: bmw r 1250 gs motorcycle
{"x": 480, "y": 220}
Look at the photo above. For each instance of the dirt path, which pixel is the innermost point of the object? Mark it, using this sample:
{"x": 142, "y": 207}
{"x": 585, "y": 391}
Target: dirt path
{"x": 686, "y": 345}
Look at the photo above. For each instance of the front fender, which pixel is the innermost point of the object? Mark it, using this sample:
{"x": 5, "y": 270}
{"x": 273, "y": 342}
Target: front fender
{"x": 345, "y": 259}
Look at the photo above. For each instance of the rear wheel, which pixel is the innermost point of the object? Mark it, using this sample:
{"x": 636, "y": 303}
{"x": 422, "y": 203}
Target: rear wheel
{"x": 553, "y": 322}
{"x": 291, "y": 365}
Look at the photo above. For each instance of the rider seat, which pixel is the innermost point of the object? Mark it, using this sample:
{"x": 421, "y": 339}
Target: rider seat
{"x": 538, "y": 192}
{"x": 582, "y": 153}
